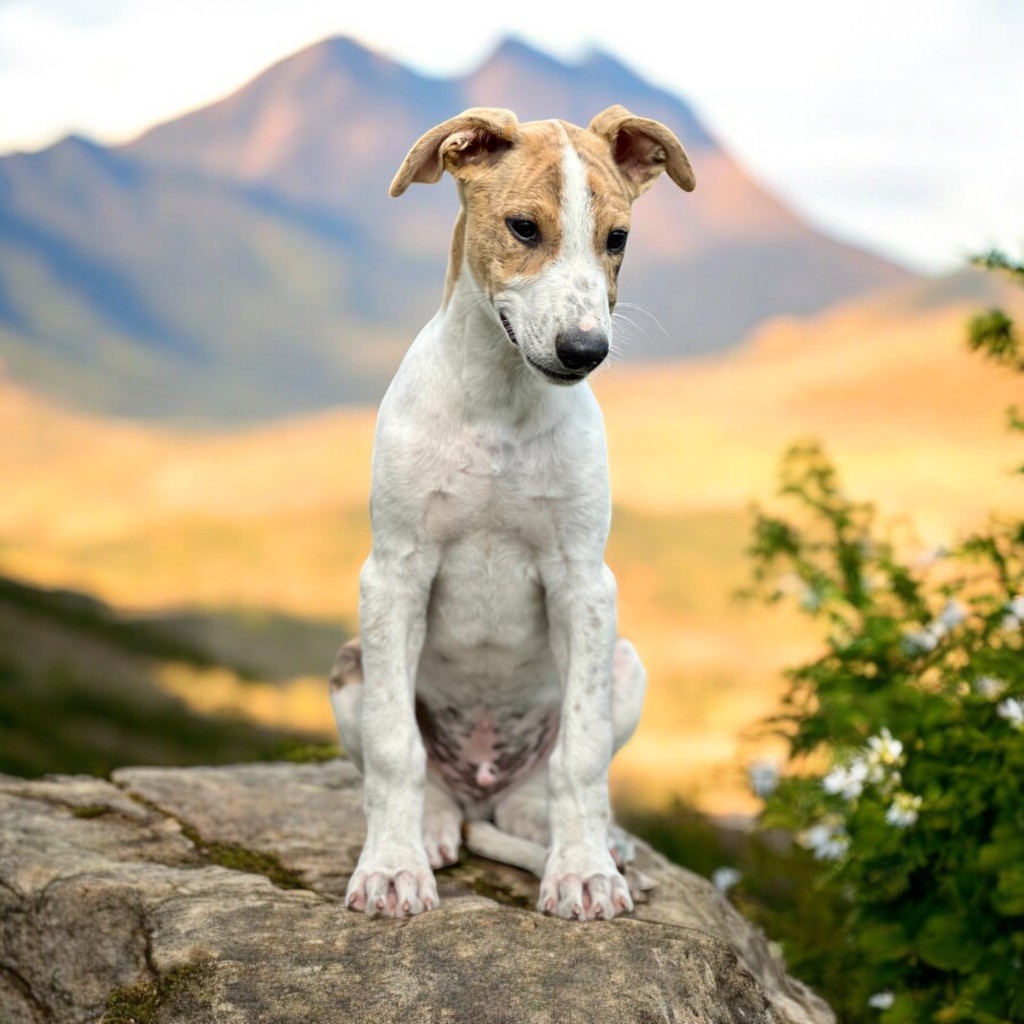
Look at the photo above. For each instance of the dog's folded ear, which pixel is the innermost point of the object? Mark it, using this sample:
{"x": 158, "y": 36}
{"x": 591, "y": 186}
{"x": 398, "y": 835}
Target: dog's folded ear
{"x": 643, "y": 149}
{"x": 480, "y": 135}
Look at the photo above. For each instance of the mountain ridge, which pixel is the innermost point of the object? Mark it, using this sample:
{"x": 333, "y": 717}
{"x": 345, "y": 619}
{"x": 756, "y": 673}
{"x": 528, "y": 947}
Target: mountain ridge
{"x": 243, "y": 261}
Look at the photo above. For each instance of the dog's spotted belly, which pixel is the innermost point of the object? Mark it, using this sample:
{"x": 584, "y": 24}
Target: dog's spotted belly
{"x": 483, "y": 751}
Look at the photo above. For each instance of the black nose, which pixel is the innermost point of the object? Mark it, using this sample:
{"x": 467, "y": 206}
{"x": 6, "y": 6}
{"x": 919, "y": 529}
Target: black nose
{"x": 581, "y": 350}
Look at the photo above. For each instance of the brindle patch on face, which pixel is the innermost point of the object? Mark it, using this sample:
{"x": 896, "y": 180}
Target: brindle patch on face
{"x": 526, "y": 183}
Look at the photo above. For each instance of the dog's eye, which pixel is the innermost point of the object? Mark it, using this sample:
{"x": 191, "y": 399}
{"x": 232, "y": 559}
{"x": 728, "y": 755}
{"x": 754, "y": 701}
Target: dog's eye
{"x": 616, "y": 241}
{"x": 525, "y": 230}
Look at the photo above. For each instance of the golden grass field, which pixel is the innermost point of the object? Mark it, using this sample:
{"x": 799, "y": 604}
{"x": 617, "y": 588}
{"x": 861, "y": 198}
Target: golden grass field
{"x": 274, "y": 517}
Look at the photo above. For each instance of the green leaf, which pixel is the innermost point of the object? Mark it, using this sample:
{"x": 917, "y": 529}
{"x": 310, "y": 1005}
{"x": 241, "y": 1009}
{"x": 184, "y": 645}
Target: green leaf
{"x": 946, "y": 941}
{"x": 1005, "y": 850}
{"x": 882, "y": 942}
{"x": 1009, "y": 894}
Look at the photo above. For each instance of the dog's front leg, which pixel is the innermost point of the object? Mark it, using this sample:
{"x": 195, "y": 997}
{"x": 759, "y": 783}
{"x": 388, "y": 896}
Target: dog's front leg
{"x": 580, "y": 877}
{"x": 393, "y": 877}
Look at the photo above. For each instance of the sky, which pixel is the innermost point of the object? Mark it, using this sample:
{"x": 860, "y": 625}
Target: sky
{"x": 895, "y": 124}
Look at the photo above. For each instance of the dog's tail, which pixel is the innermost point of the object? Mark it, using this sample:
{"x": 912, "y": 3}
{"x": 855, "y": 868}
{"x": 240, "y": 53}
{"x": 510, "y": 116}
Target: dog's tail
{"x": 489, "y": 841}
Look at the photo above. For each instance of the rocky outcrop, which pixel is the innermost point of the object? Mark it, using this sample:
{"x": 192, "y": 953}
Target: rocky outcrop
{"x": 214, "y": 895}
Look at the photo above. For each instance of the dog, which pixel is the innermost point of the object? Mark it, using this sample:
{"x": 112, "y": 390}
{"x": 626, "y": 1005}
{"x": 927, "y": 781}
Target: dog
{"x": 489, "y": 690}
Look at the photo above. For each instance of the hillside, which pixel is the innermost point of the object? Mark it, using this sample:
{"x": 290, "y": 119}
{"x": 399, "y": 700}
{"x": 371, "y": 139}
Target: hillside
{"x": 244, "y": 261}
{"x": 83, "y": 688}
{"x": 273, "y": 519}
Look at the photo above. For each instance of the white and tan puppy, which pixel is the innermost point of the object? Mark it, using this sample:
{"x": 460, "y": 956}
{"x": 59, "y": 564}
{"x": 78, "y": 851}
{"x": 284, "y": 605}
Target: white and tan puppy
{"x": 490, "y": 688}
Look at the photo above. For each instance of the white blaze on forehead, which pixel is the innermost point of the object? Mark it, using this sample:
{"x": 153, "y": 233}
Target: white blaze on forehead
{"x": 577, "y": 213}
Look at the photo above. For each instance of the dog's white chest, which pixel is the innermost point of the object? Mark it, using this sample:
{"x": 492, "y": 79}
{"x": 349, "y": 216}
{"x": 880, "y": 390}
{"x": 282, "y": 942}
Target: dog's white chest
{"x": 486, "y": 457}
{"x": 495, "y": 488}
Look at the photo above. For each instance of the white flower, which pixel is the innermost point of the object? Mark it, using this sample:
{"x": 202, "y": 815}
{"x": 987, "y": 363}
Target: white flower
{"x": 1014, "y": 617}
{"x": 881, "y": 1000}
{"x": 1012, "y": 709}
{"x": 990, "y": 687}
{"x": 724, "y": 879}
{"x": 884, "y": 750}
{"x": 931, "y": 556}
{"x": 847, "y": 780}
{"x": 903, "y": 810}
{"x": 952, "y": 615}
{"x": 827, "y": 840}
{"x": 789, "y": 583}
{"x": 764, "y": 777}
{"x": 810, "y": 599}
{"x": 921, "y": 641}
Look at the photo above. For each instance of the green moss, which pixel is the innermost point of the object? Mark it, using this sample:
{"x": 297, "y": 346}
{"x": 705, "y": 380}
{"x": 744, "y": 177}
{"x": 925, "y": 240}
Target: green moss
{"x": 483, "y": 885}
{"x": 90, "y": 811}
{"x": 307, "y": 753}
{"x": 232, "y": 856}
{"x": 140, "y": 1004}
{"x": 238, "y": 858}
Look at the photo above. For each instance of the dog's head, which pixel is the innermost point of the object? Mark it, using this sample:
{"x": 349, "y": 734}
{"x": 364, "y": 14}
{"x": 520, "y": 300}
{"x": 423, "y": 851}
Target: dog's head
{"x": 545, "y": 219}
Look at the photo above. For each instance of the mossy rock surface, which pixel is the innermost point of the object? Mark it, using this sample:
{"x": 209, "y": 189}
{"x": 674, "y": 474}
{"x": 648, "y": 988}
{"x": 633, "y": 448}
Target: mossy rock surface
{"x": 186, "y": 896}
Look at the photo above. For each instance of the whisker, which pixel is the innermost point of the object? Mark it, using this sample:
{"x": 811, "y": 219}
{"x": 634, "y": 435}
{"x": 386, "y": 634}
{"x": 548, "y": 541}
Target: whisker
{"x": 623, "y": 332}
{"x": 633, "y": 307}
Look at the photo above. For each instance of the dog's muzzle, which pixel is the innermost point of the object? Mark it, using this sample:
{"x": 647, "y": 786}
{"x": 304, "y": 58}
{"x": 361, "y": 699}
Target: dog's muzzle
{"x": 578, "y": 353}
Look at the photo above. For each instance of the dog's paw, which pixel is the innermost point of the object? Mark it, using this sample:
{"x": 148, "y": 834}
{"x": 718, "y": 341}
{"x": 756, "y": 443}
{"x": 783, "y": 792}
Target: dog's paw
{"x": 380, "y": 889}
{"x": 596, "y": 895}
{"x": 442, "y": 837}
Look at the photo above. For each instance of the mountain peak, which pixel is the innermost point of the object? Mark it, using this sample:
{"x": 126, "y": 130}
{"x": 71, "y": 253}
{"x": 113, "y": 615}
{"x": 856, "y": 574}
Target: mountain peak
{"x": 598, "y": 60}
{"x": 346, "y": 52}
{"x": 341, "y": 56}
{"x": 513, "y": 50}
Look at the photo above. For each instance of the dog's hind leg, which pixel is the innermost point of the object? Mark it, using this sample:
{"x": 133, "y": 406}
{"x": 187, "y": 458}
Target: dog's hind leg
{"x": 524, "y": 812}
{"x": 629, "y": 683}
{"x": 346, "y": 689}
{"x": 442, "y": 816}
{"x": 442, "y": 825}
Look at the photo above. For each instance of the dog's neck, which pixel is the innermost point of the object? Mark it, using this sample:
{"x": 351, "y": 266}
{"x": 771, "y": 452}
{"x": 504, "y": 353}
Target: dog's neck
{"x": 491, "y": 379}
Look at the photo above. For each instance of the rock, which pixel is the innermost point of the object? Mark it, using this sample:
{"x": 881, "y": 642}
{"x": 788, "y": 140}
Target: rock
{"x": 214, "y": 895}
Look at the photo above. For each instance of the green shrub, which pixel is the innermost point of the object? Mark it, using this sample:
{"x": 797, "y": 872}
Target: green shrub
{"x": 907, "y": 742}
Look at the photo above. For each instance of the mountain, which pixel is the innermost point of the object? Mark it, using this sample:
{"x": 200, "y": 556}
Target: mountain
{"x": 244, "y": 261}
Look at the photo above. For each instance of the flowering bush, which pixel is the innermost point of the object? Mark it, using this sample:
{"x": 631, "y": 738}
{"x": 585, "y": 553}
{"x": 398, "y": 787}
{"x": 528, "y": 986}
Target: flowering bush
{"x": 907, "y": 742}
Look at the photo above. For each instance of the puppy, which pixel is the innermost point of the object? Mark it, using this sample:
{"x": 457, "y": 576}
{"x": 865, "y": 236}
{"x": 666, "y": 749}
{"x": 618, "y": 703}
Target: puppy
{"x": 489, "y": 686}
